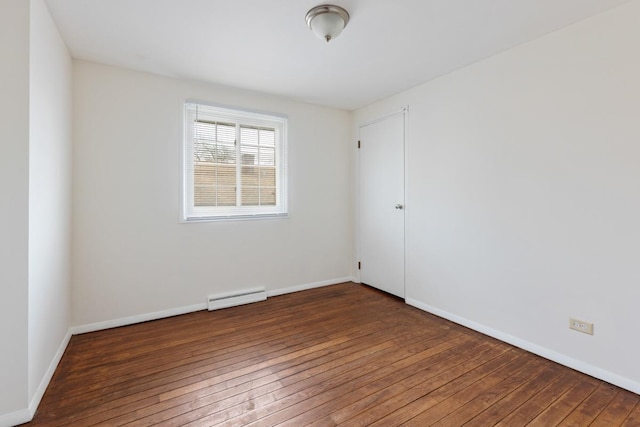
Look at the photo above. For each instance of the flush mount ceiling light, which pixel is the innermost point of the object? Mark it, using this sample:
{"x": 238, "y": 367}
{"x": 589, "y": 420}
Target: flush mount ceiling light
{"x": 327, "y": 21}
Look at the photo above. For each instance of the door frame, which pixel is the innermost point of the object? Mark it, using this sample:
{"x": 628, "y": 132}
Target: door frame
{"x": 404, "y": 111}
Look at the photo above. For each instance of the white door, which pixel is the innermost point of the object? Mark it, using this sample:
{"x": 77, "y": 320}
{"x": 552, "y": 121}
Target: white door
{"x": 381, "y": 204}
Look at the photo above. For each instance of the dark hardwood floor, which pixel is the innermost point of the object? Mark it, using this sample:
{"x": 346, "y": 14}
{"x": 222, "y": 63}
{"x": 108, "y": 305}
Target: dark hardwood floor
{"x": 341, "y": 355}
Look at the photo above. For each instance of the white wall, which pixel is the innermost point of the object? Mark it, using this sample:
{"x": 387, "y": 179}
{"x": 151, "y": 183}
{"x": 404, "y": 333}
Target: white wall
{"x": 523, "y": 194}
{"x": 49, "y": 197}
{"x": 35, "y": 186}
{"x": 14, "y": 215}
{"x": 133, "y": 256}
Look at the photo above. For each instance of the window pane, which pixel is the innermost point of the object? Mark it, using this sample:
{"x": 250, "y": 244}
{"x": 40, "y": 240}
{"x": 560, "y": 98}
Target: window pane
{"x": 267, "y": 177}
{"x": 249, "y": 176}
{"x": 250, "y": 196}
{"x": 249, "y": 155}
{"x": 267, "y": 196}
{"x": 267, "y": 137}
{"x": 226, "y": 175}
{"x": 204, "y": 173}
{"x": 215, "y": 131}
{"x": 248, "y": 135}
{"x": 204, "y": 151}
{"x": 203, "y": 130}
{"x": 226, "y": 134}
{"x": 225, "y": 154}
{"x": 226, "y": 196}
{"x": 206, "y": 176}
{"x": 205, "y": 195}
{"x": 207, "y": 151}
{"x": 214, "y": 142}
{"x": 267, "y": 156}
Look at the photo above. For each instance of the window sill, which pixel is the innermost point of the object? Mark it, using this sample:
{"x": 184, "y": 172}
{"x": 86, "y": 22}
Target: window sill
{"x": 233, "y": 218}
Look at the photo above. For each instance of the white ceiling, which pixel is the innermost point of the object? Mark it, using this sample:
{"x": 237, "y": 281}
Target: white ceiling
{"x": 265, "y": 45}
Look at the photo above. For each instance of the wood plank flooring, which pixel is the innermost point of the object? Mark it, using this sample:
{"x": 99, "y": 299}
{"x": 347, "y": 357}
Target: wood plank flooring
{"x": 341, "y": 355}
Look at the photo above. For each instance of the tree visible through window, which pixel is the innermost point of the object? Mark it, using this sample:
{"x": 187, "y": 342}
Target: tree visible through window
{"x": 234, "y": 163}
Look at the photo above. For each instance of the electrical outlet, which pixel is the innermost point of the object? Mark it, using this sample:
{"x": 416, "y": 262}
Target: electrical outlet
{"x": 581, "y": 326}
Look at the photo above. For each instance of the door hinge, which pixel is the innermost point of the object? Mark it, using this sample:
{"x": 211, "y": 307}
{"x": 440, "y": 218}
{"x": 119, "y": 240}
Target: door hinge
{"x": 359, "y": 265}
{"x": 358, "y": 144}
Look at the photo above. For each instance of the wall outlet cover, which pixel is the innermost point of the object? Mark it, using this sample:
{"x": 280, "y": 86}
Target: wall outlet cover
{"x": 581, "y": 326}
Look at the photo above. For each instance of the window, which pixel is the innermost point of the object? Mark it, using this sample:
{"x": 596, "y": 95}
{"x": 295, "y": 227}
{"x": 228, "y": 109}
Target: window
{"x": 235, "y": 164}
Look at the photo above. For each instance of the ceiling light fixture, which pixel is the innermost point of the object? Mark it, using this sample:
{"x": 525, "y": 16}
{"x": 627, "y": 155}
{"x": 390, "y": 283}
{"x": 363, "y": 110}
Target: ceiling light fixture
{"x": 327, "y": 21}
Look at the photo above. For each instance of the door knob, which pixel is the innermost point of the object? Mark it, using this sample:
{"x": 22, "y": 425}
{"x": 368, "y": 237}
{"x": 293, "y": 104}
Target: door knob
{"x": 399, "y": 206}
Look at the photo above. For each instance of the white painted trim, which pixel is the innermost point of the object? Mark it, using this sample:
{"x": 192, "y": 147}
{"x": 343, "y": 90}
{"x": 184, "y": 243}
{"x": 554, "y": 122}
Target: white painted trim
{"x": 37, "y": 397}
{"x": 307, "y": 286}
{"x": 26, "y": 415}
{"x": 14, "y": 418}
{"x": 124, "y": 321}
{"x": 406, "y": 201}
{"x": 554, "y": 356}
{"x": 394, "y": 113}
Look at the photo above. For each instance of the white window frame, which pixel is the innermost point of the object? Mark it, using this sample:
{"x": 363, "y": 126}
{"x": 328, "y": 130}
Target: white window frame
{"x": 192, "y": 213}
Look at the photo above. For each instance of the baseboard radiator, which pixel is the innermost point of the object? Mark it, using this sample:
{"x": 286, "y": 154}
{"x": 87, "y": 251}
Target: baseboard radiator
{"x": 231, "y": 299}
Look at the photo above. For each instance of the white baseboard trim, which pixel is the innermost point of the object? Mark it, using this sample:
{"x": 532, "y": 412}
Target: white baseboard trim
{"x": 283, "y": 291}
{"x": 37, "y": 397}
{"x": 14, "y": 418}
{"x": 130, "y": 320}
{"x": 124, "y": 321}
{"x": 554, "y": 356}
{"x": 26, "y": 415}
